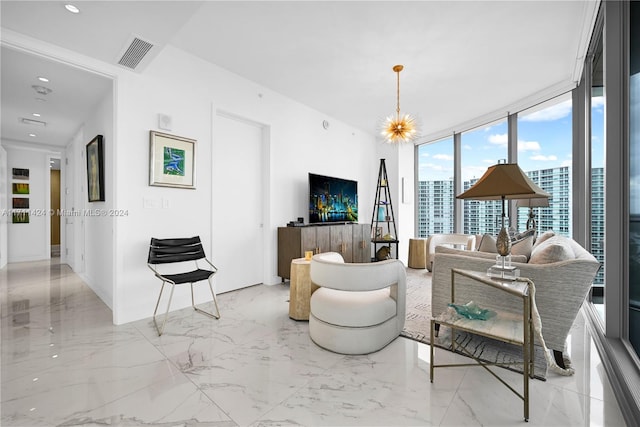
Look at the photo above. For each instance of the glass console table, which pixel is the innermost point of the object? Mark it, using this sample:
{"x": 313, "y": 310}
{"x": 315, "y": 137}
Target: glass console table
{"x": 507, "y": 327}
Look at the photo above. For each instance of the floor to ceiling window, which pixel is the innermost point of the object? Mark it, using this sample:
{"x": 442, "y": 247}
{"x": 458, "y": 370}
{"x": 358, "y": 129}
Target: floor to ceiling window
{"x": 544, "y": 154}
{"x": 481, "y": 148}
{"x": 597, "y": 168}
{"x": 435, "y": 188}
{"x": 634, "y": 172}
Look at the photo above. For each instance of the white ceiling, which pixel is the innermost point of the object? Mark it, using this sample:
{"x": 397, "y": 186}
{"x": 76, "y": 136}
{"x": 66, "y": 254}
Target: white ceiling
{"x": 463, "y": 60}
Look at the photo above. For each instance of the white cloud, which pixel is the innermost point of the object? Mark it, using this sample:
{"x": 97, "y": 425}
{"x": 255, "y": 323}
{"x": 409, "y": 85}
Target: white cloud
{"x": 443, "y": 157}
{"x": 467, "y": 147}
{"x": 597, "y": 102}
{"x": 568, "y": 163}
{"x": 424, "y": 154}
{"x": 470, "y": 172}
{"x": 543, "y": 158}
{"x": 499, "y": 139}
{"x": 554, "y": 112}
{"x": 489, "y": 161}
{"x": 528, "y": 145}
{"x": 434, "y": 167}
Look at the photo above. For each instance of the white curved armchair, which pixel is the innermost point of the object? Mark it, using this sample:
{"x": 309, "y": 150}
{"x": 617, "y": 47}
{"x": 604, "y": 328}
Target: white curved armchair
{"x": 359, "y": 307}
{"x": 467, "y": 241}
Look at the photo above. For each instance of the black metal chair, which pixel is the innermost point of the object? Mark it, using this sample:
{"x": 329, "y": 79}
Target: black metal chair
{"x": 181, "y": 250}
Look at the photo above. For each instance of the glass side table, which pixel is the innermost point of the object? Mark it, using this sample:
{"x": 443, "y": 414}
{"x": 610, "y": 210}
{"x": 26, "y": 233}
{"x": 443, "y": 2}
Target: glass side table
{"x": 506, "y": 327}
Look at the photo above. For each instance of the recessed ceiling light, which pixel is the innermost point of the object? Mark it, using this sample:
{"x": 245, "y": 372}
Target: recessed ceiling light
{"x": 32, "y": 135}
{"x": 35, "y": 114}
{"x": 43, "y": 79}
{"x": 42, "y": 90}
{"x": 71, "y": 8}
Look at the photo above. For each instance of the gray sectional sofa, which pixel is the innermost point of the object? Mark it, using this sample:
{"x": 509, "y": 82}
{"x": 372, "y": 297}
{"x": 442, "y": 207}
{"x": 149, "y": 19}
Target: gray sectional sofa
{"x": 560, "y": 268}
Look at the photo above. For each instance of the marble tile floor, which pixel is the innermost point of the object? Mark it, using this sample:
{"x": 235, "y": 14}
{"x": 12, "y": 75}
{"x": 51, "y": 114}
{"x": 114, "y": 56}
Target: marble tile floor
{"x": 65, "y": 364}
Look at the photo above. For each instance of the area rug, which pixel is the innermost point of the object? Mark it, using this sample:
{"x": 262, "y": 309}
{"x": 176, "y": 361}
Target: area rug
{"x": 418, "y": 320}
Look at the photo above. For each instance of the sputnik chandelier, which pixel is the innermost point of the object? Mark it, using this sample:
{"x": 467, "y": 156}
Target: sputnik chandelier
{"x": 399, "y": 128}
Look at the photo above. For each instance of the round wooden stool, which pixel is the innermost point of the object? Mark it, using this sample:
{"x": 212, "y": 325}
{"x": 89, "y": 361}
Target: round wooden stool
{"x": 417, "y": 253}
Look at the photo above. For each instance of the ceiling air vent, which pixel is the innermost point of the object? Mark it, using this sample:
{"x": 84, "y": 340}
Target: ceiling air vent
{"x": 33, "y": 122}
{"x": 135, "y": 53}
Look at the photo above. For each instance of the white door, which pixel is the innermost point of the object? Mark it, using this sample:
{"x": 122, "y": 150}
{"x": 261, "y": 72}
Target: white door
{"x": 237, "y": 203}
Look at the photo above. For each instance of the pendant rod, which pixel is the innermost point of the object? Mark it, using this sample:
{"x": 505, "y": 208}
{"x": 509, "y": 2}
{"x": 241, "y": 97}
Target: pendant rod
{"x": 397, "y": 69}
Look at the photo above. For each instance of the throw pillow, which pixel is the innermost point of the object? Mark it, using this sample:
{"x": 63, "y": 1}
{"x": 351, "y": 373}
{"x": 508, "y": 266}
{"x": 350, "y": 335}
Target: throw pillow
{"x": 543, "y": 237}
{"x": 522, "y": 246}
{"x": 488, "y": 244}
{"x": 553, "y": 250}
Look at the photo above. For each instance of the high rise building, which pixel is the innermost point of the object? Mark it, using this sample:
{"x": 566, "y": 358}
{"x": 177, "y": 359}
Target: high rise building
{"x": 435, "y": 207}
{"x": 597, "y": 220}
{"x": 556, "y": 217}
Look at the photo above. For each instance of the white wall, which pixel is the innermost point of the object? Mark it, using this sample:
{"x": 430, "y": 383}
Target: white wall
{"x": 191, "y": 91}
{"x": 31, "y": 241}
{"x": 406, "y": 203}
{"x": 67, "y": 203}
{"x": 98, "y": 217}
{"x": 4, "y": 207}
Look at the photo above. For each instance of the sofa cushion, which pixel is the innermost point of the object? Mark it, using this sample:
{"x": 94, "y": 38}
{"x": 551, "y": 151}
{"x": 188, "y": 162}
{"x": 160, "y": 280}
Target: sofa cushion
{"x": 522, "y": 246}
{"x": 488, "y": 244}
{"x": 553, "y": 249}
{"x": 352, "y": 309}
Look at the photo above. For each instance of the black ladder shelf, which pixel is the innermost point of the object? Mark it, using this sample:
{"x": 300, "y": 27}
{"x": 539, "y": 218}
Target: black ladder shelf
{"x": 383, "y": 223}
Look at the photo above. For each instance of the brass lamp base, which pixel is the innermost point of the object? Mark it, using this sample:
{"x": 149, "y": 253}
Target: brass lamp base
{"x": 503, "y": 242}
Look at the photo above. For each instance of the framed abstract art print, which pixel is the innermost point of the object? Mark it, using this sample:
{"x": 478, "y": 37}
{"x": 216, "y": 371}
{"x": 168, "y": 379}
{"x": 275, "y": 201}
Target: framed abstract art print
{"x": 172, "y": 161}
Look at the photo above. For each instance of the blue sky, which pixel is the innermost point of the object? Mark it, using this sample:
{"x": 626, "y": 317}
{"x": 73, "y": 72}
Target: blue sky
{"x": 544, "y": 141}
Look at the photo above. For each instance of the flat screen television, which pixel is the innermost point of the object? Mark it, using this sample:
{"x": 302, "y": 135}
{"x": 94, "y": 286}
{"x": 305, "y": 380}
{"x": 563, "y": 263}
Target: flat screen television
{"x": 332, "y": 199}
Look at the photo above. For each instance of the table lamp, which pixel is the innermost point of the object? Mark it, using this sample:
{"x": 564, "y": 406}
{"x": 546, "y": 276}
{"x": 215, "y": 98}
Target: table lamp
{"x": 500, "y": 182}
{"x": 532, "y": 203}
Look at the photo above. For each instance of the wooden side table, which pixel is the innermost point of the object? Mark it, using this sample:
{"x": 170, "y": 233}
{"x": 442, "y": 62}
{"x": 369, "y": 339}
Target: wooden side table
{"x": 300, "y": 289}
{"x": 417, "y": 253}
{"x": 507, "y": 327}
